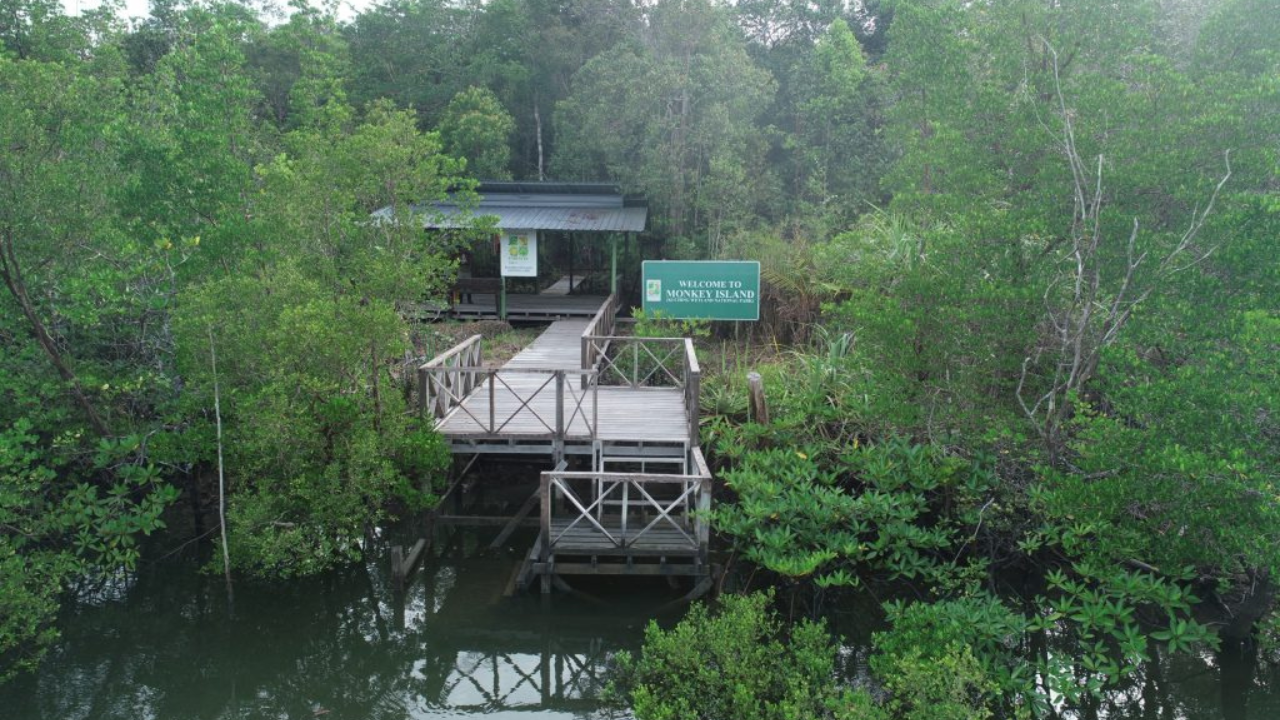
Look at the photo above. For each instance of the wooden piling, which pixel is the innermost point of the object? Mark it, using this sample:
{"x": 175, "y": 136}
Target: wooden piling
{"x": 759, "y": 407}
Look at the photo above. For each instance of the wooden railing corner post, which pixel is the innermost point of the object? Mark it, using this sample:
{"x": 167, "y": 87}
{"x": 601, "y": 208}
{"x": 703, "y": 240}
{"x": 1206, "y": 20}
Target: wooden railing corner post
{"x": 560, "y": 428}
{"x": 422, "y": 393}
{"x": 700, "y": 521}
{"x": 544, "y": 489}
{"x": 493, "y": 422}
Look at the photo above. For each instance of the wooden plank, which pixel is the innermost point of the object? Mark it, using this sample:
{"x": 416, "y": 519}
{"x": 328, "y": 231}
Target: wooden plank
{"x": 584, "y": 538}
{"x": 678, "y": 569}
{"x": 485, "y": 520}
{"x": 531, "y": 307}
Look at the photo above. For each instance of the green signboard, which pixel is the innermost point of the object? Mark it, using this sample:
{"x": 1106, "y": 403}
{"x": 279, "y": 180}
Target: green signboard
{"x": 702, "y": 289}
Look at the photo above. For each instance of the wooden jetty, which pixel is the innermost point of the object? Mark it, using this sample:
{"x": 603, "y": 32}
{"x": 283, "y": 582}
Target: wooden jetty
{"x": 624, "y": 408}
{"x": 530, "y": 308}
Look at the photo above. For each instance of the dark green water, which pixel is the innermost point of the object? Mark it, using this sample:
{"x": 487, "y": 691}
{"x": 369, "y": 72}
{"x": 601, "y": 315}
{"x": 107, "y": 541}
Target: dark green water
{"x": 166, "y": 646}
{"x": 339, "y": 648}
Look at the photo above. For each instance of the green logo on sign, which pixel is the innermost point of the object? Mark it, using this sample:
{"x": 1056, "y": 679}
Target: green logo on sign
{"x": 653, "y": 290}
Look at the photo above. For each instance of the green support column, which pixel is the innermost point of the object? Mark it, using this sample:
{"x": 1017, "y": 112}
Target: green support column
{"x": 502, "y": 300}
{"x": 613, "y": 264}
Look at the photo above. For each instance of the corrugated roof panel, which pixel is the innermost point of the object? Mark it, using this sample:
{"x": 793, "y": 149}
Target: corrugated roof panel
{"x": 588, "y": 207}
{"x": 631, "y": 219}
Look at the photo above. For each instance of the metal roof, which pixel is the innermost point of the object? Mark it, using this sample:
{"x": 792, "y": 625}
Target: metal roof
{"x": 589, "y": 207}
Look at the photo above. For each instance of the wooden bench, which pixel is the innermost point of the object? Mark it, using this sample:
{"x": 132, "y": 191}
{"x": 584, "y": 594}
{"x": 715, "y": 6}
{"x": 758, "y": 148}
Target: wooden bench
{"x": 464, "y": 288}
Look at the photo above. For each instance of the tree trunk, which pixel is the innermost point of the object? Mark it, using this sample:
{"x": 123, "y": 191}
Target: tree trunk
{"x": 537, "y": 123}
{"x": 11, "y": 271}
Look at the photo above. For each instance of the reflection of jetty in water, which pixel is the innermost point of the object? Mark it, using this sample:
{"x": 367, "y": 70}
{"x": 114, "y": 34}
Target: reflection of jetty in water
{"x": 485, "y": 653}
{"x": 555, "y": 675}
{"x": 339, "y": 647}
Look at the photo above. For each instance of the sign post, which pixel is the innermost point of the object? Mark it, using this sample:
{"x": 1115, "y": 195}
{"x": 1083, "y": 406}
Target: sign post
{"x": 518, "y": 257}
{"x": 519, "y": 250}
{"x": 702, "y": 289}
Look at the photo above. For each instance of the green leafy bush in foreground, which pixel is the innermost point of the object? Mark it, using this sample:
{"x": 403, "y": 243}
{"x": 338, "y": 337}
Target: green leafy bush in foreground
{"x": 740, "y": 662}
{"x": 734, "y": 663}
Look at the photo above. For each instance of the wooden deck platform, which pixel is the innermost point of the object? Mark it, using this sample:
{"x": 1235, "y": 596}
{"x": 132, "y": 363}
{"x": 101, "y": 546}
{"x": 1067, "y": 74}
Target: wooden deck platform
{"x": 546, "y": 306}
{"x": 543, "y": 394}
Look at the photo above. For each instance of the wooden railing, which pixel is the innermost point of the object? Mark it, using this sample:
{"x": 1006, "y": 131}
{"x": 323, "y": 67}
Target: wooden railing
{"x": 445, "y": 383}
{"x": 564, "y": 400}
{"x": 446, "y": 379}
{"x": 623, "y": 510}
{"x": 600, "y": 326}
{"x": 639, "y": 362}
{"x": 692, "y": 395}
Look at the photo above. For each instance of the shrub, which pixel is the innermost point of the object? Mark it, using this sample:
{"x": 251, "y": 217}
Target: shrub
{"x": 738, "y": 663}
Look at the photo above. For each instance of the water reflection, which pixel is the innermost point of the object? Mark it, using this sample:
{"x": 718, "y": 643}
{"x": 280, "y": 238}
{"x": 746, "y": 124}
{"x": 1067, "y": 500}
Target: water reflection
{"x": 336, "y": 647}
{"x": 346, "y": 646}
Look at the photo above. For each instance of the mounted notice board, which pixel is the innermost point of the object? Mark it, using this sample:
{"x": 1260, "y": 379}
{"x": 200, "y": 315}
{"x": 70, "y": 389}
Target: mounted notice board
{"x": 519, "y": 252}
{"x": 702, "y": 289}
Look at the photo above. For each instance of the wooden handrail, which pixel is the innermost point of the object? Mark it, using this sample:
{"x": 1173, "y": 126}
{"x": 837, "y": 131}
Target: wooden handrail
{"x": 692, "y": 392}
{"x": 448, "y": 377}
{"x": 453, "y": 351}
{"x": 686, "y": 512}
{"x": 570, "y": 405}
{"x": 689, "y": 378}
{"x": 616, "y": 368}
{"x": 601, "y": 324}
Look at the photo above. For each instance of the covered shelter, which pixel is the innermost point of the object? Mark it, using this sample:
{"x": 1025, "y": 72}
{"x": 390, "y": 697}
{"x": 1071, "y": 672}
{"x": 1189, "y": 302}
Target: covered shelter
{"x": 527, "y": 216}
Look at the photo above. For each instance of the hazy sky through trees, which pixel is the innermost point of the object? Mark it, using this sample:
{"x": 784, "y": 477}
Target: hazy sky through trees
{"x": 140, "y": 8}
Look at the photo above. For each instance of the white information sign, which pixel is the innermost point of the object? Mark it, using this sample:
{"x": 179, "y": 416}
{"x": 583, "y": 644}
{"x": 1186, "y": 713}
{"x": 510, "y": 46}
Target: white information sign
{"x": 519, "y": 253}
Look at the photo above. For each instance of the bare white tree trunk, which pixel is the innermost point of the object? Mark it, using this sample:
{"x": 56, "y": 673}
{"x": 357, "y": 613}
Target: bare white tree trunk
{"x": 1085, "y": 313}
{"x": 537, "y": 122}
{"x": 222, "y": 484}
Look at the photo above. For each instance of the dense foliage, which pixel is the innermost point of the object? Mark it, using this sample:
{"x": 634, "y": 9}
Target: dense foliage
{"x": 1024, "y": 254}
{"x": 744, "y": 661}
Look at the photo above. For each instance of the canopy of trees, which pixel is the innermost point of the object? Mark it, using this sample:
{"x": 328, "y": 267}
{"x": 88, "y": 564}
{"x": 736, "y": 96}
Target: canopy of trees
{"x": 1026, "y": 251}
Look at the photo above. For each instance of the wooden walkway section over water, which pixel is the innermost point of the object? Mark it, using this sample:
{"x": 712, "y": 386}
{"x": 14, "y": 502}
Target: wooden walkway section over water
{"x": 630, "y": 404}
{"x": 573, "y": 391}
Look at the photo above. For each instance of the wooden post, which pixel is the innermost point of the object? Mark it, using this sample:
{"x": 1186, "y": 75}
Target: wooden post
{"x": 502, "y": 299}
{"x": 422, "y": 393}
{"x": 693, "y": 390}
{"x": 397, "y": 567}
{"x": 415, "y": 554}
{"x": 759, "y": 409}
{"x": 700, "y": 520}
{"x": 613, "y": 264}
{"x": 493, "y": 424}
{"x": 560, "y": 428}
{"x": 570, "y": 265}
{"x": 544, "y": 554}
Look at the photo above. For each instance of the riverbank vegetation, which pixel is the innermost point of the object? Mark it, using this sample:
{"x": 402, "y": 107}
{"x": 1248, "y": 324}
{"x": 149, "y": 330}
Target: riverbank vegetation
{"x": 1021, "y": 286}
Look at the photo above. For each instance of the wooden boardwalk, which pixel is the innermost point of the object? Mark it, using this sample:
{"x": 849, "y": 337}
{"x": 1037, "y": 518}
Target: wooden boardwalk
{"x": 520, "y": 401}
{"x": 564, "y": 286}
{"x": 528, "y": 307}
{"x": 578, "y": 389}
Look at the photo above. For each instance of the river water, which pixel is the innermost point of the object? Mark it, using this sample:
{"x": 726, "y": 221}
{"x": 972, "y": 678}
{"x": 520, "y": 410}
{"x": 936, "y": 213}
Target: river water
{"x": 347, "y": 646}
